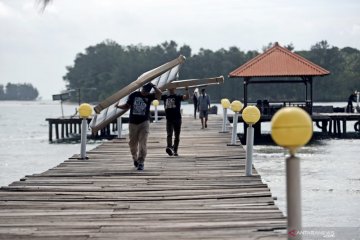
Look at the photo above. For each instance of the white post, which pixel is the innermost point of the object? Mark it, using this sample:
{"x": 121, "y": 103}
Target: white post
{"x": 224, "y": 120}
{"x": 119, "y": 127}
{"x": 249, "y": 149}
{"x": 156, "y": 114}
{"x": 234, "y": 131}
{"x": 83, "y": 138}
{"x": 62, "y": 110}
{"x": 293, "y": 196}
{"x": 357, "y": 98}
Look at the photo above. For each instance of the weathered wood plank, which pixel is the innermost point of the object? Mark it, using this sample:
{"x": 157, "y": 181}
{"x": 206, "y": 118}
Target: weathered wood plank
{"x": 202, "y": 194}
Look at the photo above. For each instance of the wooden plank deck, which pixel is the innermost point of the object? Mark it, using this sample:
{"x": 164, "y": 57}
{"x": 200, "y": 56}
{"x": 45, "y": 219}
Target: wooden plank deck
{"x": 202, "y": 194}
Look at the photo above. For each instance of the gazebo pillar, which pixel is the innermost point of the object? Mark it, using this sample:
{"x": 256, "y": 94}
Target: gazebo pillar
{"x": 308, "y": 96}
{"x": 246, "y": 82}
{"x": 311, "y": 95}
{"x": 306, "y": 88}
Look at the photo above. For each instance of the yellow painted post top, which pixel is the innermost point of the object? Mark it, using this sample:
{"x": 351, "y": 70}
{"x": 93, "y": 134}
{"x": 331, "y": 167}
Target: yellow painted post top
{"x": 236, "y": 106}
{"x": 155, "y": 102}
{"x": 85, "y": 110}
{"x": 251, "y": 114}
{"x": 291, "y": 127}
{"x": 225, "y": 103}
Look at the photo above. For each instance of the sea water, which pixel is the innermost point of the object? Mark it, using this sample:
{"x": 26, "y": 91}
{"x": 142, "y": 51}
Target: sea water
{"x": 24, "y": 139}
{"x": 330, "y": 168}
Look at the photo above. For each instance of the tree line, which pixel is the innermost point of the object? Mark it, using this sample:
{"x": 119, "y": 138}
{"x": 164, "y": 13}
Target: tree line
{"x": 20, "y": 91}
{"x": 108, "y": 66}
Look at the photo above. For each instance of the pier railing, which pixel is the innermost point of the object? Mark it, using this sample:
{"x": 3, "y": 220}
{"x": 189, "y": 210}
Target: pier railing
{"x": 331, "y": 121}
{"x": 69, "y": 128}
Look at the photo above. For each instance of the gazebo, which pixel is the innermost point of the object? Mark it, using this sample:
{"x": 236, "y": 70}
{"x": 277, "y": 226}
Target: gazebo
{"x": 279, "y": 65}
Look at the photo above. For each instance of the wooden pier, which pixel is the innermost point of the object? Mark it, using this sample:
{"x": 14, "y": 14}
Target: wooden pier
{"x": 330, "y": 123}
{"x": 69, "y": 128}
{"x": 202, "y": 194}
{"x": 335, "y": 123}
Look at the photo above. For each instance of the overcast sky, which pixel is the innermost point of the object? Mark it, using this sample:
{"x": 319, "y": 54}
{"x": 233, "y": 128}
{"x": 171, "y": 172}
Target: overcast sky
{"x": 36, "y": 47}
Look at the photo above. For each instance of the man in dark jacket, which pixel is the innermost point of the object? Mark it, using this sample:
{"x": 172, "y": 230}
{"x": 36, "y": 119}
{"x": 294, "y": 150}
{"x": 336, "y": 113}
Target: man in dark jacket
{"x": 172, "y": 105}
{"x": 350, "y": 107}
{"x": 203, "y": 105}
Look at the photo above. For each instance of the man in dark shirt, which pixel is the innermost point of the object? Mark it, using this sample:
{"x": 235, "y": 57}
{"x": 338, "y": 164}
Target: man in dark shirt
{"x": 139, "y": 105}
{"x": 203, "y": 105}
{"x": 195, "y": 102}
{"x": 172, "y": 105}
{"x": 350, "y": 107}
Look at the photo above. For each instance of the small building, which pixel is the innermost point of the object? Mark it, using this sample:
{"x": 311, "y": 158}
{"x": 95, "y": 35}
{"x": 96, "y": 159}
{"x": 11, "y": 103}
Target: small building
{"x": 279, "y": 65}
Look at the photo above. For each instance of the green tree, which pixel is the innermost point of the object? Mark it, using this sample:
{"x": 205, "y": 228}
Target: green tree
{"x": 108, "y": 67}
{"x": 20, "y": 92}
{"x": 2, "y": 92}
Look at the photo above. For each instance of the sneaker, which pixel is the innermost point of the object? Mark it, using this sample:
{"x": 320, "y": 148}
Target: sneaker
{"x": 205, "y": 125}
{"x": 176, "y": 154}
{"x": 140, "y": 167}
{"x": 169, "y": 151}
{"x": 136, "y": 164}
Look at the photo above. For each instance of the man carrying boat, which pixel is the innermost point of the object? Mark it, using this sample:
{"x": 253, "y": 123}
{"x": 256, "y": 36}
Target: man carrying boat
{"x": 172, "y": 105}
{"x": 139, "y": 121}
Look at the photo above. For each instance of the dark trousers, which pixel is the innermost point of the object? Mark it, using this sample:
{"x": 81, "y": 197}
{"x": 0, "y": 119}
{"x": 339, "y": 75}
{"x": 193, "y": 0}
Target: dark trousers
{"x": 350, "y": 107}
{"x": 173, "y": 126}
{"x": 195, "y": 109}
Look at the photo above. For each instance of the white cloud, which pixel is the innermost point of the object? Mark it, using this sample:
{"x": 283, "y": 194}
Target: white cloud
{"x": 4, "y": 11}
{"x": 355, "y": 30}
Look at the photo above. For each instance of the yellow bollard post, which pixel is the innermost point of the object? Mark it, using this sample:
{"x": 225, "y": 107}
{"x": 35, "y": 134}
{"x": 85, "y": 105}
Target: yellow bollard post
{"x": 156, "y": 103}
{"x": 85, "y": 110}
{"x": 251, "y": 115}
{"x": 236, "y": 107}
{"x": 291, "y": 128}
{"x": 225, "y": 103}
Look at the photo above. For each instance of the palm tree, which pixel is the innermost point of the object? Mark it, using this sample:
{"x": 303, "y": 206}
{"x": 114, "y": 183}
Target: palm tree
{"x": 44, "y": 3}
